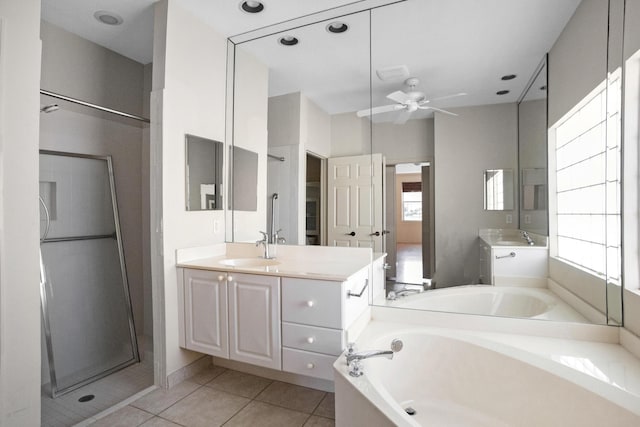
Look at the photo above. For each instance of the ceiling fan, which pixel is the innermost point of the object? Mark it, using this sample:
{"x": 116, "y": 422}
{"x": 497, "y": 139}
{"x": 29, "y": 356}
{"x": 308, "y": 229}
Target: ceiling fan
{"x": 407, "y": 103}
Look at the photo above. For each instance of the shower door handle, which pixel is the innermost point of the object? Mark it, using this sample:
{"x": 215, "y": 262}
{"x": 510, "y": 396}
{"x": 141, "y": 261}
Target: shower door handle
{"x": 48, "y": 217}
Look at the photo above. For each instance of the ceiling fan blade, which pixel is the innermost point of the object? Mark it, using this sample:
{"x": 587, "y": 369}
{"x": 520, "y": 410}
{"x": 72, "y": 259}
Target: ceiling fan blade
{"x": 444, "y": 97}
{"x": 399, "y": 96}
{"x": 378, "y": 110}
{"x": 437, "y": 109}
{"x": 402, "y": 118}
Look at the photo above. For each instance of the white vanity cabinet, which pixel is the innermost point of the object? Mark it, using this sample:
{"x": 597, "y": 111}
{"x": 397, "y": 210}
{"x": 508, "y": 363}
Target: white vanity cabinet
{"x": 284, "y": 323}
{"x": 254, "y": 319}
{"x": 315, "y": 318}
{"x": 205, "y": 312}
{"x": 504, "y": 265}
{"x": 233, "y": 316}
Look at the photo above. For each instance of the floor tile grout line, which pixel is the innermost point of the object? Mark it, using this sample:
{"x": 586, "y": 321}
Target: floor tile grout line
{"x": 319, "y": 402}
{"x": 183, "y": 397}
{"x": 237, "y": 412}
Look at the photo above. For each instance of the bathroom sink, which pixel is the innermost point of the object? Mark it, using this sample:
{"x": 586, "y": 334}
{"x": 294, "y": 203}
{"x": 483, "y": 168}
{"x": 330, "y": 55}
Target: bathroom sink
{"x": 249, "y": 262}
{"x": 509, "y": 243}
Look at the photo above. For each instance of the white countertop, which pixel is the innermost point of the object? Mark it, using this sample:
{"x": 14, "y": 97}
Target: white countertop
{"x": 307, "y": 262}
{"x": 496, "y": 237}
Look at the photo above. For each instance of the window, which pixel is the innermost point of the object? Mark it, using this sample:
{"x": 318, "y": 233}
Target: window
{"x": 585, "y": 167}
{"x": 412, "y": 201}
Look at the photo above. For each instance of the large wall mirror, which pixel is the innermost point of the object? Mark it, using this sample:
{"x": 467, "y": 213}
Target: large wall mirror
{"x": 420, "y": 98}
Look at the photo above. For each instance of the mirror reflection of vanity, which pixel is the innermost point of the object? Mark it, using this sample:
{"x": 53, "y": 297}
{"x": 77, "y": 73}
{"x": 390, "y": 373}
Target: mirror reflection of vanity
{"x": 291, "y": 101}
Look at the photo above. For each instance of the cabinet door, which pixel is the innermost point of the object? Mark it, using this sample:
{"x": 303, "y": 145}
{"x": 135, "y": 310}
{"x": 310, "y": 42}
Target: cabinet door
{"x": 254, "y": 319}
{"x": 205, "y": 294}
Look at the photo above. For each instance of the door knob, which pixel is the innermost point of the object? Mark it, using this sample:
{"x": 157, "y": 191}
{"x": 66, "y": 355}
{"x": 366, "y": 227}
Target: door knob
{"x": 377, "y": 233}
{"x": 353, "y": 233}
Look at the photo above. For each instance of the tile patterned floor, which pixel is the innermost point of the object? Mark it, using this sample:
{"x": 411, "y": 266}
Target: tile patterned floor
{"x": 66, "y": 411}
{"x": 222, "y": 397}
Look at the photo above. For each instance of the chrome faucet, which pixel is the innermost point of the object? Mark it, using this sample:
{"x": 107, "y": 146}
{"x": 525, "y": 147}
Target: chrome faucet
{"x": 277, "y": 239}
{"x": 264, "y": 242}
{"x": 528, "y": 238}
{"x": 354, "y": 359}
{"x": 394, "y": 295}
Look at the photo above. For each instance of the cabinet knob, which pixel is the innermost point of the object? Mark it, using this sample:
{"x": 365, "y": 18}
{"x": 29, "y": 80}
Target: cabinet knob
{"x": 310, "y": 365}
{"x": 229, "y": 278}
{"x": 311, "y": 340}
{"x": 220, "y": 278}
{"x": 310, "y": 303}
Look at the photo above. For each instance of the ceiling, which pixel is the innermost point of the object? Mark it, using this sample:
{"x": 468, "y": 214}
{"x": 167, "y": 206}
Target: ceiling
{"x": 451, "y": 45}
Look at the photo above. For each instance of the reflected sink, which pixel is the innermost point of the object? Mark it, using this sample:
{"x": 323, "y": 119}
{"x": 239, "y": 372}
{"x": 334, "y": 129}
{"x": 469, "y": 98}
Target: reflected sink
{"x": 249, "y": 262}
{"x": 510, "y": 243}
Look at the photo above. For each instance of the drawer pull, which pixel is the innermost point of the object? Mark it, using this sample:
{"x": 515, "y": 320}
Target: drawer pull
{"x": 351, "y": 294}
{"x": 229, "y": 279}
{"x": 310, "y": 303}
{"x": 310, "y": 365}
{"x": 220, "y": 278}
{"x": 311, "y": 340}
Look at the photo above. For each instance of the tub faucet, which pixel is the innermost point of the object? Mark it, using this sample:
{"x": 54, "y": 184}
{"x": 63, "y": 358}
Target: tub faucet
{"x": 353, "y": 358}
{"x": 528, "y": 238}
{"x": 394, "y": 295}
{"x": 264, "y": 242}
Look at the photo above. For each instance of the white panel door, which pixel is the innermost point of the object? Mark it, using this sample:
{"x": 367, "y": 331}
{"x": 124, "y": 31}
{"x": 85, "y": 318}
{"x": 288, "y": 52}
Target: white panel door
{"x": 254, "y": 320}
{"x": 355, "y": 201}
{"x": 205, "y": 298}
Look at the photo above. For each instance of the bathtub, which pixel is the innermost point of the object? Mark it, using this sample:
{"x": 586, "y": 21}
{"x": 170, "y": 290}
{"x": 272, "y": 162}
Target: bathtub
{"x": 534, "y": 303}
{"x": 452, "y": 379}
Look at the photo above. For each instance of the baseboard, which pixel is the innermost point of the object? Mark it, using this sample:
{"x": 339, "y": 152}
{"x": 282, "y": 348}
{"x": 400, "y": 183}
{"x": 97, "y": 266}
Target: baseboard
{"x": 272, "y": 374}
{"x": 188, "y": 371}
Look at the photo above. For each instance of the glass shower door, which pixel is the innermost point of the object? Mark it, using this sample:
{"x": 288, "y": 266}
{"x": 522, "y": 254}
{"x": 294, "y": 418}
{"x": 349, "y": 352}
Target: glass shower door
{"x": 88, "y": 322}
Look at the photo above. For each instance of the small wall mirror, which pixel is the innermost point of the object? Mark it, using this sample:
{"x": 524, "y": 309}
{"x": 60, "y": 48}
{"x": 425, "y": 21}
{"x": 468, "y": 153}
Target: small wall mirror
{"x": 499, "y": 190}
{"x": 203, "y": 173}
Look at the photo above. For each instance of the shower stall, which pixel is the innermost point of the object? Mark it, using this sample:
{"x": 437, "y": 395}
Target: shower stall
{"x": 86, "y": 306}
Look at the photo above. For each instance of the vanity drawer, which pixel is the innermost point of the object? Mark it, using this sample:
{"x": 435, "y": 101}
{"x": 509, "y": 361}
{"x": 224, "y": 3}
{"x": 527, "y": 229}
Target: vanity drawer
{"x": 312, "y": 302}
{"x": 307, "y": 363}
{"x": 313, "y": 338}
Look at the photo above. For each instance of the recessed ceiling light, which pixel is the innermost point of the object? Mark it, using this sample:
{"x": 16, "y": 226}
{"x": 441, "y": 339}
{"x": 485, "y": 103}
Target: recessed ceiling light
{"x": 508, "y": 77}
{"x": 108, "y": 18}
{"x": 250, "y": 6}
{"x": 288, "y": 41}
{"x": 337, "y": 27}
{"x": 502, "y": 92}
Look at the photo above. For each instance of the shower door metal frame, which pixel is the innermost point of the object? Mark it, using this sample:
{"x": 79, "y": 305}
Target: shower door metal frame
{"x": 55, "y": 392}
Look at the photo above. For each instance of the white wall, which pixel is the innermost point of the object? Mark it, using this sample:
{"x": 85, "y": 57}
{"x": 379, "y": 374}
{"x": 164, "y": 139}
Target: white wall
{"x": 577, "y": 65}
{"x": 72, "y": 66}
{"x": 250, "y": 132}
{"x": 19, "y": 261}
{"x": 479, "y": 138}
{"x": 631, "y": 297}
{"x": 578, "y": 59}
{"x": 188, "y": 96}
{"x": 407, "y": 143}
{"x": 350, "y": 135}
{"x": 532, "y": 146}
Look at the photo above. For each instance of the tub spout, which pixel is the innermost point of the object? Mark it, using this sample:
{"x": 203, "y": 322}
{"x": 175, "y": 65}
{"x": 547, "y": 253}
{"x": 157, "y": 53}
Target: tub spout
{"x": 353, "y": 358}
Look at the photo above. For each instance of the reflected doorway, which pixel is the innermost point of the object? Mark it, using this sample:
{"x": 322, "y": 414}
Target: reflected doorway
{"x": 409, "y": 213}
{"x": 315, "y": 234}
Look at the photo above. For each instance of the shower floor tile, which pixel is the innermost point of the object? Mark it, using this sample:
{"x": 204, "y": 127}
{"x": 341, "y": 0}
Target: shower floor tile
{"x": 67, "y": 410}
